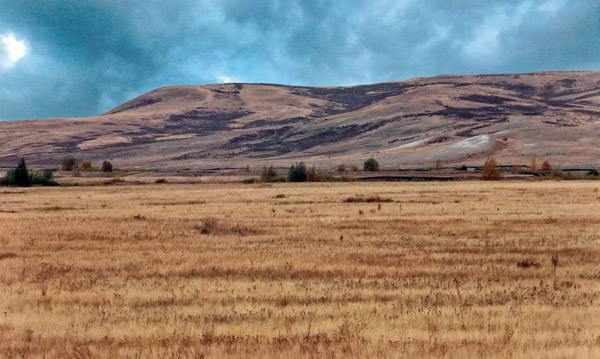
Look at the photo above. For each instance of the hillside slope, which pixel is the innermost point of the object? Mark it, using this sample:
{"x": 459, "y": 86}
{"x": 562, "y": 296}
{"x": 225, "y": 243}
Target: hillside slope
{"x": 456, "y": 119}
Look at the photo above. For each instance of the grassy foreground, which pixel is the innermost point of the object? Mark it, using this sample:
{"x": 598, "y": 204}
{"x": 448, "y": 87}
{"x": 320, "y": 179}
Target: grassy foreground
{"x": 444, "y": 270}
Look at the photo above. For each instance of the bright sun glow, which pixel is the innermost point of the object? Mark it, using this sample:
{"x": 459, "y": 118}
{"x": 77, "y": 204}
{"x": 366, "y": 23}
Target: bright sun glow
{"x": 11, "y": 50}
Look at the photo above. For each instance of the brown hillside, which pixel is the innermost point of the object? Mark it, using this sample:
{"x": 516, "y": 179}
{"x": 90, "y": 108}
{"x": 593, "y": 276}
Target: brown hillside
{"x": 455, "y": 119}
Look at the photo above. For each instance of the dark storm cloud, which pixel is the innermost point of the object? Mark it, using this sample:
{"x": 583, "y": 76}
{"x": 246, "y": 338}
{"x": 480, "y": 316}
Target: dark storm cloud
{"x": 87, "y": 56}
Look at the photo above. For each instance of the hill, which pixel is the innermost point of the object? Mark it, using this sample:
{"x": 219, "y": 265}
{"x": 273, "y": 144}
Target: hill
{"x": 455, "y": 119}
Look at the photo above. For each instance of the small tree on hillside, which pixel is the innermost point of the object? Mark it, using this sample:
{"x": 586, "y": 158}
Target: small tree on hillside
{"x": 69, "y": 163}
{"x": 85, "y": 165}
{"x": 371, "y": 165}
{"x": 297, "y": 173}
{"x": 546, "y": 167}
{"x": 107, "y": 166}
{"x": 341, "y": 168}
{"x": 490, "y": 171}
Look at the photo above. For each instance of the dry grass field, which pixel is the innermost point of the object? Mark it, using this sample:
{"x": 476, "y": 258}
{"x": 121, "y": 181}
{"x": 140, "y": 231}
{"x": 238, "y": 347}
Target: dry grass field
{"x": 434, "y": 270}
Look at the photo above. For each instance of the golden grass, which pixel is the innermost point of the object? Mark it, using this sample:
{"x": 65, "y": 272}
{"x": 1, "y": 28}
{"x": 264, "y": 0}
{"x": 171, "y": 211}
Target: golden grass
{"x": 458, "y": 270}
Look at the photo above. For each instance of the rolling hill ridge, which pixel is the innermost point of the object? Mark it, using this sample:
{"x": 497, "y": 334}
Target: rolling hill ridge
{"x": 455, "y": 119}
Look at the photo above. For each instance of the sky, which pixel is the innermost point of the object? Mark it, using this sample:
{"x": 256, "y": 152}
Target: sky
{"x": 79, "y": 58}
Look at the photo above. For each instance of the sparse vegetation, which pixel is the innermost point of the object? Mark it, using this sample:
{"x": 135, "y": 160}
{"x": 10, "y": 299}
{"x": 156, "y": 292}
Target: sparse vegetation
{"x": 371, "y": 165}
{"x": 325, "y": 177}
{"x": 44, "y": 178}
{"x": 312, "y": 175}
{"x": 270, "y": 175}
{"x": 354, "y": 168}
{"x": 370, "y": 199}
{"x": 341, "y": 168}
{"x": 312, "y": 277}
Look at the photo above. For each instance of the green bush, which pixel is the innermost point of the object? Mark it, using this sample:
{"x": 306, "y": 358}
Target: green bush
{"x": 297, "y": 173}
{"x": 329, "y": 178}
{"x": 371, "y": 165}
{"x": 21, "y": 177}
{"x": 18, "y": 176}
{"x": 270, "y": 175}
{"x": 44, "y": 178}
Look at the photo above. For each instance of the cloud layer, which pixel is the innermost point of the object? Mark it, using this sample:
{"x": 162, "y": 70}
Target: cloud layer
{"x": 87, "y": 56}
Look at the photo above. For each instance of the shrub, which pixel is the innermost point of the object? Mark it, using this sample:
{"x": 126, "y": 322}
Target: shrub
{"x": 207, "y": 225}
{"x": 107, "y": 166}
{"x": 161, "y": 180}
{"x": 534, "y": 164}
{"x": 490, "y": 171}
{"x": 593, "y": 173}
{"x": 268, "y": 174}
{"x": 371, "y": 199}
{"x": 325, "y": 177}
{"x": 462, "y": 168}
{"x": 297, "y": 173}
{"x": 18, "y": 176}
{"x": 371, "y": 165}
{"x": 312, "y": 175}
{"x": 69, "y": 163}
{"x": 85, "y": 165}
{"x": 354, "y": 168}
{"x": 341, "y": 168}
{"x": 546, "y": 167}
{"x": 44, "y": 178}
{"x": 557, "y": 173}
{"x": 76, "y": 173}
